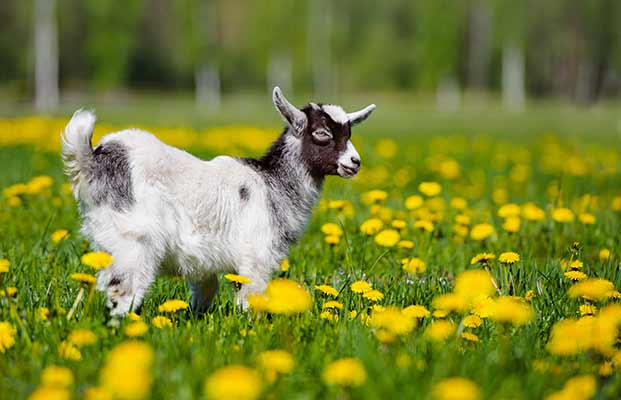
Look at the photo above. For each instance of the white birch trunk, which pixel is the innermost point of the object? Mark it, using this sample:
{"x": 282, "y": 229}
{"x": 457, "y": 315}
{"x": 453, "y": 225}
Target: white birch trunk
{"x": 46, "y": 55}
{"x": 513, "y": 92}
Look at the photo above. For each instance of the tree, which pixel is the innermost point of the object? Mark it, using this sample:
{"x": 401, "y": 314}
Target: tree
{"x": 46, "y": 55}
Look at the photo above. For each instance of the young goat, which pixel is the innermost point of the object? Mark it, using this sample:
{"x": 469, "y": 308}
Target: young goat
{"x": 158, "y": 209}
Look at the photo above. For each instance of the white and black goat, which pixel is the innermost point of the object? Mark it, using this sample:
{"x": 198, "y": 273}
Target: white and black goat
{"x": 158, "y": 209}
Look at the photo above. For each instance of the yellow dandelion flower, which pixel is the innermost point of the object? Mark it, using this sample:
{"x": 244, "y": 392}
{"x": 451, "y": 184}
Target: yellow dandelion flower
{"x": 482, "y": 231}
{"x": 575, "y": 275}
{"x": 331, "y": 229}
{"x": 424, "y": 224}
{"x": 398, "y": 224}
{"x": 360, "y": 287}
{"x": 531, "y": 212}
{"x": 373, "y": 295}
{"x": 430, "y": 189}
{"x": 83, "y": 278}
{"x": 136, "y": 329}
{"x": 345, "y": 372}
{"x": 132, "y": 359}
{"x": 511, "y": 310}
{"x": 393, "y": 320}
{"x": 459, "y": 203}
{"x": 275, "y": 362}
{"x": 562, "y": 215}
{"x": 332, "y": 305}
{"x": 69, "y": 351}
{"x": 594, "y": 289}
{"x": 11, "y": 291}
{"x": 172, "y": 306}
{"x": 374, "y": 196}
{"x": 472, "y": 321}
{"x": 371, "y": 226}
{"x": 387, "y": 238}
{"x": 580, "y": 387}
{"x": 97, "y": 260}
{"x": 329, "y": 315}
{"x": 405, "y": 244}
{"x": 43, "y": 313}
{"x": 512, "y": 224}
{"x": 472, "y": 284}
{"x": 509, "y": 257}
{"x": 332, "y": 239}
{"x": 413, "y": 265}
{"x": 587, "y": 219}
{"x": 416, "y": 311}
{"x": 440, "y": 330}
{"x": 237, "y": 279}
{"x": 96, "y": 393}
{"x": 133, "y": 316}
{"x": 50, "y": 393}
{"x": 59, "y": 235}
{"x": 482, "y": 258}
{"x": 414, "y": 202}
{"x": 587, "y": 309}
{"x": 234, "y": 382}
{"x": 161, "y": 322}
{"x": 469, "y": 336}
{"x": 327, "y": 289}
{"x": 56, "y": 376}
{"x": 604, "y": 254}
{"x": 576, "y": 264}
{"x": 529, "y": 295}
{"x": 456, "y": 389}
{"x": 4, "y": 265}
{"x": 82, "y": 337}
{"x": 509, "y": 210}
{"x": 284, "y": 266}
{"x": 7, "y": 336}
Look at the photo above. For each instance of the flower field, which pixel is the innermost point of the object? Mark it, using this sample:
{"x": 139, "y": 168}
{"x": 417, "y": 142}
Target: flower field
{"x": 452, "y": 267}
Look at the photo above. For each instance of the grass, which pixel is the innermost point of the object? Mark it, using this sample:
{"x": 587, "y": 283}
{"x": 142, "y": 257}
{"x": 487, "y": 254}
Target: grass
{"x": 502, "y": 158}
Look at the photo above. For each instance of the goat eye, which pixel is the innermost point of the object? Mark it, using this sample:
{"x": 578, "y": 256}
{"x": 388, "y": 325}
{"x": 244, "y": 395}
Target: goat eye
{"x": 322, "y": 136}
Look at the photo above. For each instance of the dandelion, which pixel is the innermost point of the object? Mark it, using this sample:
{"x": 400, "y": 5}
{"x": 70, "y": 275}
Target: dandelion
{"x": 83, "y": 278}
{"x": 482, "y": 258}
{"x": 332, "y": 305}
{"x": 387, "y": 238}
{"x": 136, "y": 329}
{"x": 587, "y": 219}
{"x": 529, "y": 295}
{"x": 43, "y": 313}
{"x": 284, "y": 266}
{"x": 238, "y": 280}
{"x": 509, "y": 257}
{"x": 360, "y": 287}
{"x": 392, "y": 320}
{"x": 512, "y": 224}
{"x": 11, "y": 291}
{"x": 531, "y": 212}
{"x": 329, "y": 315}
{"x": 405, "y": 244}
{"x": 126, "y": 373}
{"x": 284, "y": 296}
{"x": 562, "y": 215}
{"x": 587, "y": 309}
{"x": 482, "y": 231}
{"x": 594, "y": 289}
{"x": 345, "y": 372}
{"x": 604, "y": 254}
{"x": 575, "y": 275}
{"x": 456, "y": 389}
{"x": 509, "y": 210}
{"x": 97, "y": 260}
{"x": 398, "y": 224}
{"x": 430, "y": 189}
{"x": 373, "y": 295}
{"x": 472, "y": 321}
{"x": 275, "y": 362}
{"x": 172, "y": 306}
{"x": 332, "y": 240}
{"x": 511, "y": 310}
{"x": 4, "y": 265}
{"x": 132, "y": 316}
{"x": 50, "y": 393}
{"x": 59, "y": 235}
{"x": 56, "y": 376}
{"x": 414, "y": 202}
{"x": 413, "y": 265}
{"x": 473, "y": 283}
{"x": 371, "y": 226}
{"x": 331, "y": 229}
{"x": 82, "y": 337}
{"x": 416, "y": 311}
{"x": 469, "y": 336}
{"x": 424, "y": 225}
{"x": 440, "y": 330}
{"x": 7, "y": 336}
{"x": 69, "y": 351}
{"x": 374, "y": 196}
{"x": 327, "y": 289}
{"x": 580, "y": 388}
{"x": 234, "y": 382}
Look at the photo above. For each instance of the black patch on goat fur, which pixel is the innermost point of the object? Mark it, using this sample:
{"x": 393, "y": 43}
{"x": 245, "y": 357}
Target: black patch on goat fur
{"x": 110, "y": 180}
{"x": 244, "y": 193}
{"x": 114, "y": 281}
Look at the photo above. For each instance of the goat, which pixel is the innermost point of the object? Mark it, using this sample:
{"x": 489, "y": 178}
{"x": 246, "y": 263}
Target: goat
{"x": 157, "y": 209}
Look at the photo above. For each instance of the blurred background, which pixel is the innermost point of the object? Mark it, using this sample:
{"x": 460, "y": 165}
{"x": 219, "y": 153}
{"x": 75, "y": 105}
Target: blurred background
{"x": 214, "y": 61}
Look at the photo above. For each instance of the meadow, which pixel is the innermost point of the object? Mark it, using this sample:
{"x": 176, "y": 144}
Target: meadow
{"x": 471, "y": 259}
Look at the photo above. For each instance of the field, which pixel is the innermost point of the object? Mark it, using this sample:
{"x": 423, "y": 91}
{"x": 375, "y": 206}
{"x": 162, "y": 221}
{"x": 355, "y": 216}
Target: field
{"x": 475, "y": 256}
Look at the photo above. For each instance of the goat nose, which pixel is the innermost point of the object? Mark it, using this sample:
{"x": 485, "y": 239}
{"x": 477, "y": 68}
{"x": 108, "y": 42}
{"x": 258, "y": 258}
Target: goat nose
{"x": 356, "y": 161}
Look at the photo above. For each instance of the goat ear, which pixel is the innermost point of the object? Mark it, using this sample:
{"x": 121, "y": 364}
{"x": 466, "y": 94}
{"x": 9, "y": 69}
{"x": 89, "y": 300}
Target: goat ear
{"x": 294, "y": 117}
{"x": 358, "y": 116}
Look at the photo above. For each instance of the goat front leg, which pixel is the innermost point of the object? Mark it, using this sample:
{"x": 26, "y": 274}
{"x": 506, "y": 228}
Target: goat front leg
{"x": 203, "y": 293}
{"x": 127, "y": 280}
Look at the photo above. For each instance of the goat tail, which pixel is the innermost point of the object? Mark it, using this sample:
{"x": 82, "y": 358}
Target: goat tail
{"x": 77, "y": 151}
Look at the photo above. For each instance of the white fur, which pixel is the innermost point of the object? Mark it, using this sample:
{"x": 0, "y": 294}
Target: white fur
{"x": 76, "y": 146}
{"x": 345, "y": 160}
{"x": 335, "y": 112}
{"x": 188, "y": 219}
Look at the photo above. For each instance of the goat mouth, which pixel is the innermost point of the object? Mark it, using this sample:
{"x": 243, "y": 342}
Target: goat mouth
{"x": 346, "y": 171}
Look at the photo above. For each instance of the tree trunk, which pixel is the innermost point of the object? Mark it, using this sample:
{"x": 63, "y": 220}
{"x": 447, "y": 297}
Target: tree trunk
{"x": 448, "y": 95}
{"x": 46, "y": 55}
{"x": 279, "y": 72}
{"x": 320, "y": 31}
{"x": 513, "y": 93}
{"x": 478, "y": 44}
{"x": 207, "y": 70}
{"x": 207, "y": 86}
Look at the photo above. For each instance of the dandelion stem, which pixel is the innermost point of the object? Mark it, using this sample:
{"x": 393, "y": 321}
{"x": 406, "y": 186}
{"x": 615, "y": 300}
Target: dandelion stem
{"x": 78, "y": 298}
